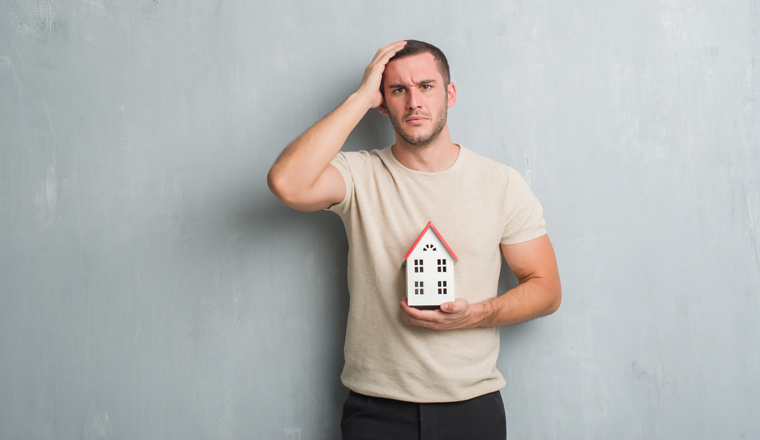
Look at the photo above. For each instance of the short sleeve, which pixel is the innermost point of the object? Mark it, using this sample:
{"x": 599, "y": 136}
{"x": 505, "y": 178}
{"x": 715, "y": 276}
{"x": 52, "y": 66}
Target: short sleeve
{"x": 347, "y": 164}
{"x": 525, "y": 216}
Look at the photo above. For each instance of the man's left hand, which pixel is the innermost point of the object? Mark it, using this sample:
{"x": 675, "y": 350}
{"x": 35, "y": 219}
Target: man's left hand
{"x": 451, "y": 315}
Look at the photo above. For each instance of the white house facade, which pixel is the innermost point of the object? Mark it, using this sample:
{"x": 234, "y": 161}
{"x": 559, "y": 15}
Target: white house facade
{"x": 430, "y": 270}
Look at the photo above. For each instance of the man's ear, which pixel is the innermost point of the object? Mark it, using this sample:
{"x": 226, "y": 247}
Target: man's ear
{"x": 382, "y": 108}
{"x": 451, "y": 95}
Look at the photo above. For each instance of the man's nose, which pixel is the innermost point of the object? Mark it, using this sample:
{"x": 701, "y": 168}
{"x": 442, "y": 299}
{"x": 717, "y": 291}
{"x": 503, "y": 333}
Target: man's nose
{"x": 414, "y": 100}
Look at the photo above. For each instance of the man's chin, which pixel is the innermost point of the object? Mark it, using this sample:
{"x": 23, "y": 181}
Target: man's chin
{"x": 421, "y": 142}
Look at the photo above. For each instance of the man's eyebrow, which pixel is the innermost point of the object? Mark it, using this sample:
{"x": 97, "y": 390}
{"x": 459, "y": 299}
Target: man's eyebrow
{"x": 424, "y": 82}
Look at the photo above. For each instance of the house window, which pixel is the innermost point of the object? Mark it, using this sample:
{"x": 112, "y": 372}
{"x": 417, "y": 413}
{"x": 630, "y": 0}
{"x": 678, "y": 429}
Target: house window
{"x": 418, "y": 266}
{"x": 428, "y": 246}
{"x": 418, "y": 288}
{"x": 441, "y": 265}
{"x": 442, "y": 287}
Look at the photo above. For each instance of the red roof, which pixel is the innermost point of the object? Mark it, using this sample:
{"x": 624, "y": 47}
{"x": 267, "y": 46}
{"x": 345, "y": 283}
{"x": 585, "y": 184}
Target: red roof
{"x": 431, "y": 225}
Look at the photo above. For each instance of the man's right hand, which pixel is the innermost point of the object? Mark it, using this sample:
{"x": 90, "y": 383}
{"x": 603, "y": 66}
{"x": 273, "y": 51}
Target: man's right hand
{"x": 373, "y": 74}
{"x": 302, "y": 176}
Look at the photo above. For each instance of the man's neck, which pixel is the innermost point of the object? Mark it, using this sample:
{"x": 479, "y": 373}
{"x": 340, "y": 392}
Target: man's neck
{"x": 437, "y": 156}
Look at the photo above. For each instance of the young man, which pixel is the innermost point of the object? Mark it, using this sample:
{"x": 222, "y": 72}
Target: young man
{"x": 421, "y": 373}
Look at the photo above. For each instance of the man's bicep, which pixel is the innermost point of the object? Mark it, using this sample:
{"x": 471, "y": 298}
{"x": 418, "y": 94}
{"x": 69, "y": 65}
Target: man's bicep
{"x": 329, "y": 189}
{"x": 532, "y": 259}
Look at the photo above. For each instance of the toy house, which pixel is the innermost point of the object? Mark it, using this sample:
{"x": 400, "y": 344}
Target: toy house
{"x": 429, "y": 270}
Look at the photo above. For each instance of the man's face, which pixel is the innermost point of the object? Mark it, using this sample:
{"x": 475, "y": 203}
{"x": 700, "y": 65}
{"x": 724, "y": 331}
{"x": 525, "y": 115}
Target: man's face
{"x": 416, "y": 100}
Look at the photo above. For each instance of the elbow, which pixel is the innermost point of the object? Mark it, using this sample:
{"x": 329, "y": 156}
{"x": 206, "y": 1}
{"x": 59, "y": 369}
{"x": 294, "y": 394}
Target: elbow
{"x": 556, "y": 300}
{"x": 274, "y": 182}
{"x": 283, "y": 188}
{"x": 278, "y": 184}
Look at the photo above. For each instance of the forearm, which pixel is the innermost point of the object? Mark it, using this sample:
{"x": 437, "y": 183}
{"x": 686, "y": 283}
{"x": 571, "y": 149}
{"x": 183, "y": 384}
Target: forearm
{"x": 532, "y": 299}
{"x": 303, "y": 161}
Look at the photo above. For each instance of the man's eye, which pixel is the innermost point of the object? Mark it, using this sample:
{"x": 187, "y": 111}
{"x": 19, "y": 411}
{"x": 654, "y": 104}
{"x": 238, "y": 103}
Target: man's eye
{"x": 426, "y": 86}
{"x": 399, "y": 90}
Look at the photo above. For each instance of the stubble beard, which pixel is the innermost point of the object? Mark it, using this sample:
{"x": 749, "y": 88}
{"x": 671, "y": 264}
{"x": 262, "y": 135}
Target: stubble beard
{"x": 422, "y": 140}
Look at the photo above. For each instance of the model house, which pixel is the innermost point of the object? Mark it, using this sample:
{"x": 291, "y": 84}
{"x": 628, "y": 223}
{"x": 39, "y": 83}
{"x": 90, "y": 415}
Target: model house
{"x": 430, "y": 269}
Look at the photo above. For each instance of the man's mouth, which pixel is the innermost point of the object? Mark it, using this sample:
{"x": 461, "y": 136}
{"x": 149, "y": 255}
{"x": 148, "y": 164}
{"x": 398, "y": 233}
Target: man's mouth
{"x": 416, "y": 118}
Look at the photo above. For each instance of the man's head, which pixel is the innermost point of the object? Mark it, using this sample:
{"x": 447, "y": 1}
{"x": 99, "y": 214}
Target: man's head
{"x": 415, "y": 47}
{"x": 417, "y": 93}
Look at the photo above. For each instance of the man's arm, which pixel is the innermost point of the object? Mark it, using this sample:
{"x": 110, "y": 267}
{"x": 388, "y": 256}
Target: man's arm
{"x": 302, "y": 176}
{"x": 538, "y": 294}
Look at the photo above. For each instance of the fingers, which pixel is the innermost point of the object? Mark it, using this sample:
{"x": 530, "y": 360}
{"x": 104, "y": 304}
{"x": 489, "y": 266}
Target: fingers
{"x": 421, "y": 318}
{"x": 452, "y": 315}
{"x": 383, "y": 55}
{"x": 449, "y": 307}
{"x": 387, "y": 52}
{"x": 433, "y": 319}
{"x": 457, "y": 306}
{"x": 416, "y": 314}
{"x": 373, "y": 74}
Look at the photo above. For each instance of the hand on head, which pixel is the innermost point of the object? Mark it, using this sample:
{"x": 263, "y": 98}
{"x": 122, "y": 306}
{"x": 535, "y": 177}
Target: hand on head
{"x": 373, "y": 74}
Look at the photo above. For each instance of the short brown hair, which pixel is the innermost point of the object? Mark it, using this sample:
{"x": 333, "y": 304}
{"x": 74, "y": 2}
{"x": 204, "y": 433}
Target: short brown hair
{"x": 415, "y": 47}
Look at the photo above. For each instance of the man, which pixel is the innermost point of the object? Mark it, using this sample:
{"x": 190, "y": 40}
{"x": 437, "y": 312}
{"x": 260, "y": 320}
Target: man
{"x": 421, "y": 373}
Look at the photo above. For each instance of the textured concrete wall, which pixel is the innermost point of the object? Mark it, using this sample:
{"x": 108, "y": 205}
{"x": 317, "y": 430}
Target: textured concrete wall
{"x": 152, "y": 288}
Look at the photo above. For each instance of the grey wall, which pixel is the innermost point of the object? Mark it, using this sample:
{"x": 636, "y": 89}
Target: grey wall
{"x": 152, "y": 288}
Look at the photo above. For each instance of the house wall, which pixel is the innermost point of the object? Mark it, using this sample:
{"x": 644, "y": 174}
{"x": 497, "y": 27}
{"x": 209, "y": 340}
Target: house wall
{"x": 151, "y": 287}
{"x": 430, "y": 276}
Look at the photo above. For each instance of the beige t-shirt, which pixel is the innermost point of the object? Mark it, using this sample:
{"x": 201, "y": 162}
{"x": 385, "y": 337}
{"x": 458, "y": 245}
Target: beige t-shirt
{"x": 476, "y": 204}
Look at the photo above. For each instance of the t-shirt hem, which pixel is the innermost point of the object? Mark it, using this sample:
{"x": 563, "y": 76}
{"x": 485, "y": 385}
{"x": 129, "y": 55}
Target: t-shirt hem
{"x": 490, "y": 386}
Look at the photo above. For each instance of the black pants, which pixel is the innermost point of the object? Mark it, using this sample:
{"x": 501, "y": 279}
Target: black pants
{"x": 370, "y": 418}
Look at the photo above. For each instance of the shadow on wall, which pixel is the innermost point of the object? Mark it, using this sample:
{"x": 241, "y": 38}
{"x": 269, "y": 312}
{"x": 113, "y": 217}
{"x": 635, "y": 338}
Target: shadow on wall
{"x": 287, "y": 273}
{"x": 306, "y": 297}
